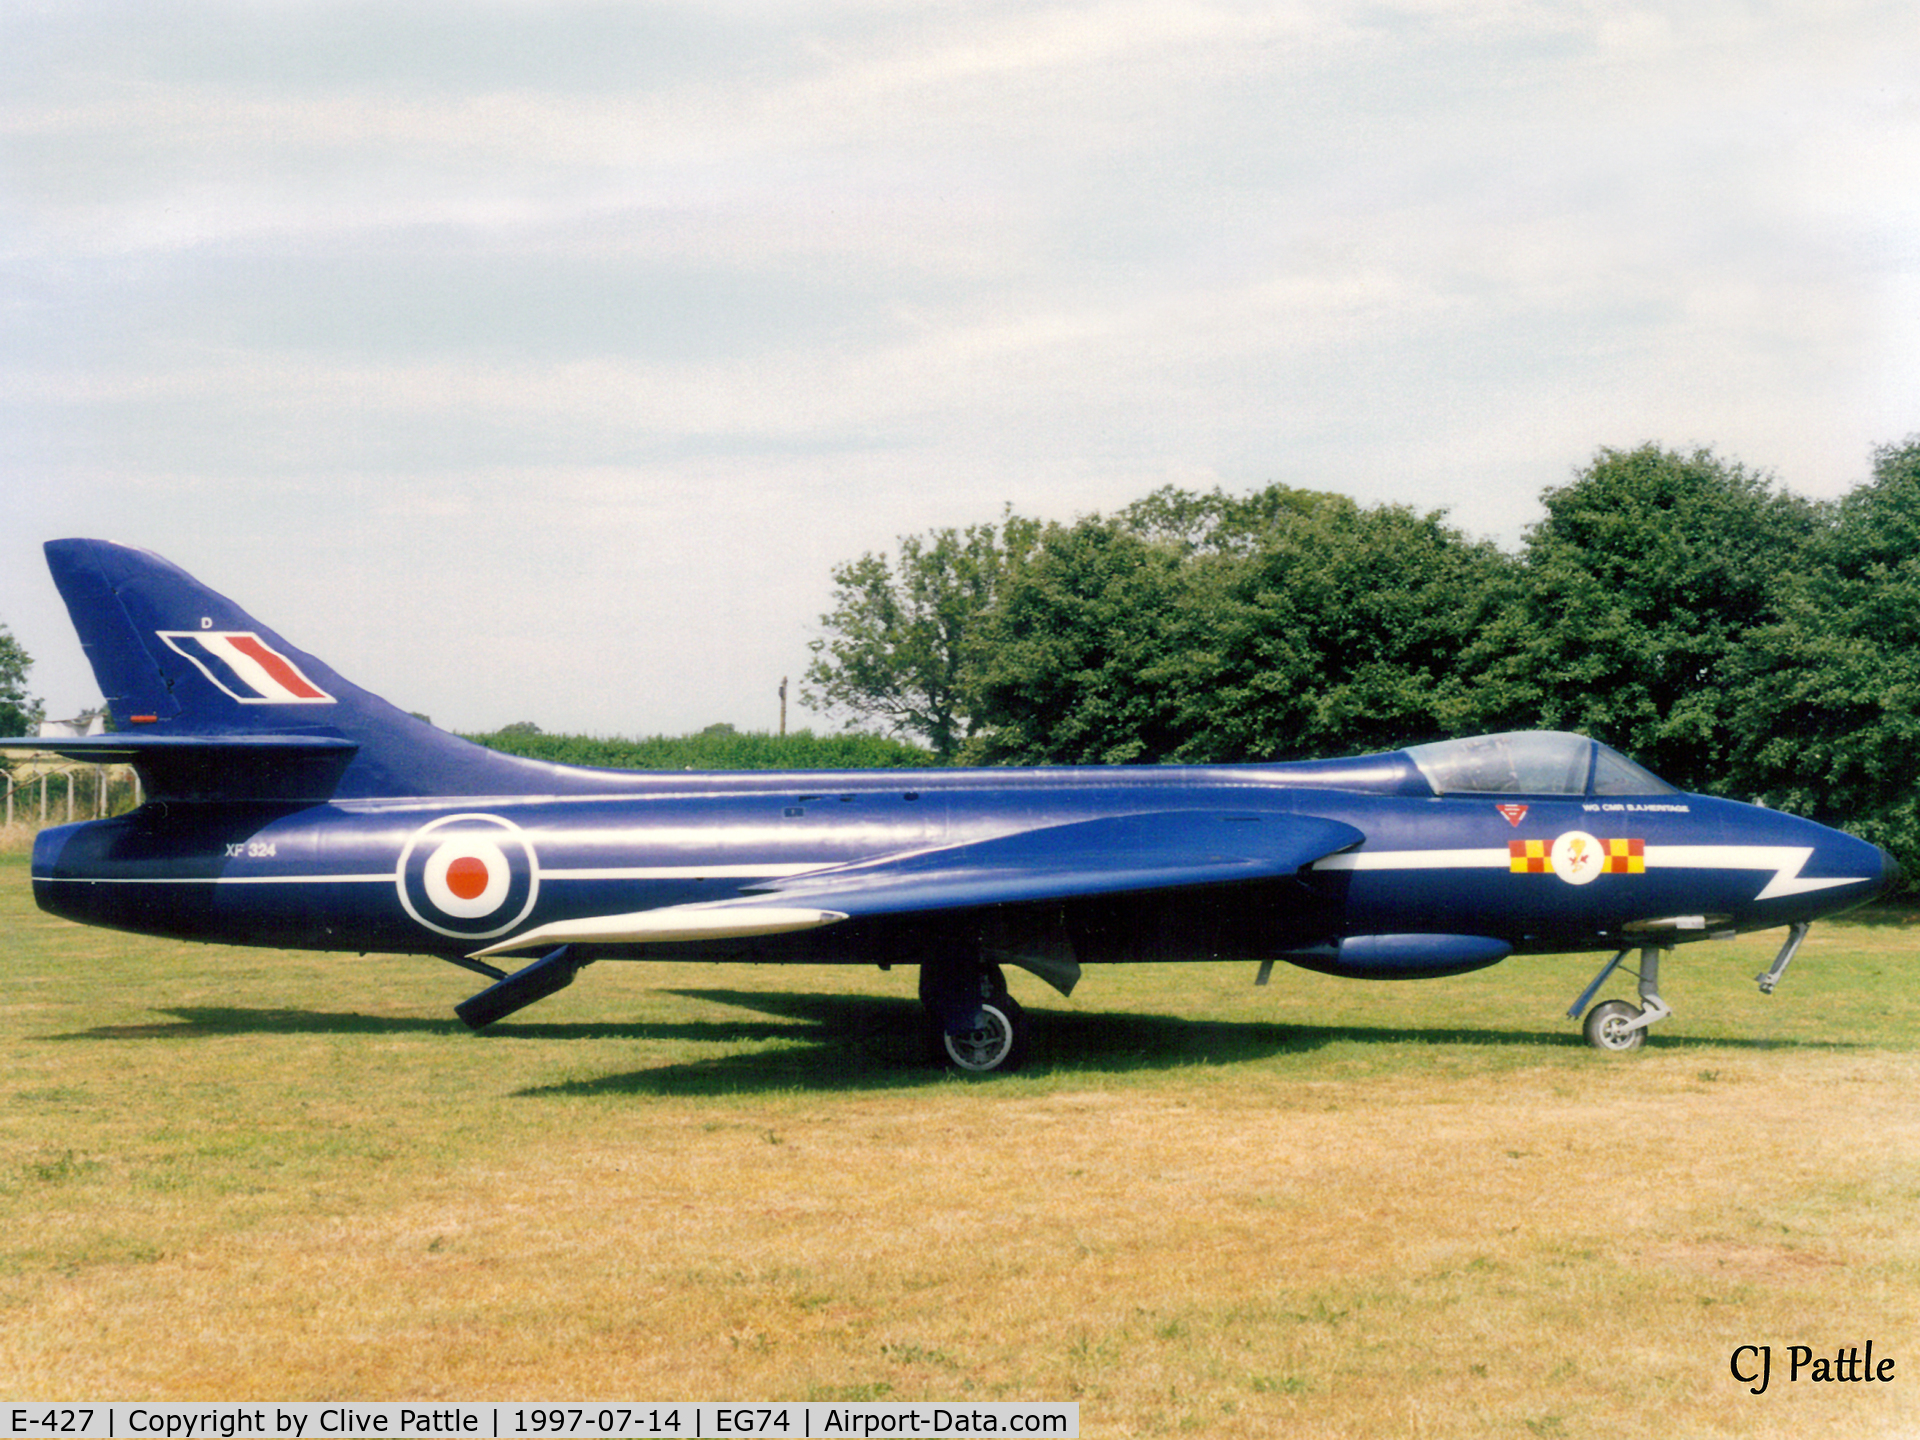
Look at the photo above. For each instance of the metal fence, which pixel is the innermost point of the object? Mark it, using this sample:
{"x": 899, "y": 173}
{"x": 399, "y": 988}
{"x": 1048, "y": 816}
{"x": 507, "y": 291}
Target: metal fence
{"x": 41, "y": 793}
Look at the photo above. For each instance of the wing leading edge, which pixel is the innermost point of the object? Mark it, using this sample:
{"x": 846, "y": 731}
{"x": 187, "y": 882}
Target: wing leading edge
{"x": 1115, "y": 855}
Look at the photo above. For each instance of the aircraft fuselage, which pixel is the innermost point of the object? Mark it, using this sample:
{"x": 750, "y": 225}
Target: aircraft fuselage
{"x": 440, "y": 878}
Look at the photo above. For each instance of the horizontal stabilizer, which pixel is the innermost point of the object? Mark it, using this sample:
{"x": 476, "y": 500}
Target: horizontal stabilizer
{"x": 261, "y": 766}
{"x": 126, "y": 749}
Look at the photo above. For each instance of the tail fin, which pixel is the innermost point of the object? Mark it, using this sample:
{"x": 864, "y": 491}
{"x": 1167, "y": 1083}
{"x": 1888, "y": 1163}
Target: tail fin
{"x": 208, "y": 703}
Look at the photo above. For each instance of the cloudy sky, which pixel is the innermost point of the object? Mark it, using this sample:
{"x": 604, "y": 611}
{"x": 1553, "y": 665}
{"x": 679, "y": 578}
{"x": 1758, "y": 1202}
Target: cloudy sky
{"x": 539, "y": 360}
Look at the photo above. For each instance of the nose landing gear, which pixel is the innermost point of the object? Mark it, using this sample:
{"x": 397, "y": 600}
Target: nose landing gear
{"x": 1614, "y": 1025}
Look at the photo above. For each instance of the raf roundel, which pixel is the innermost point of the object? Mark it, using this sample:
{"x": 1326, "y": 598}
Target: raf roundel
{"x": 470, "y": 877}
{"x": 467, "y": 877}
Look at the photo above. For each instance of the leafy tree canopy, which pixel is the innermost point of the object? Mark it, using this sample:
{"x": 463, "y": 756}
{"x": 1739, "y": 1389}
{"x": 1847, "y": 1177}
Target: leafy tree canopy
{"x": 1349, "y": 628}
{"x": 1084, "y": 657}
{"x": 897, "y": 643}
{"x": 20, "y": 713}
{"x": 1639, "y": 584}
{"x": 1825, "y": 711}
{"x": 1207, "y": 627}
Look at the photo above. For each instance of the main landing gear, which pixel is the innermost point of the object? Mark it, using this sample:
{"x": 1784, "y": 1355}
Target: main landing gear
{"x": 973, "y": 1024}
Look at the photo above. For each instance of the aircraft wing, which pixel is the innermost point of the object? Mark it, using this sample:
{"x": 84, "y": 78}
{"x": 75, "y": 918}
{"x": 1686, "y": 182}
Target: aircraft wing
{"x": 1165, "y": 850}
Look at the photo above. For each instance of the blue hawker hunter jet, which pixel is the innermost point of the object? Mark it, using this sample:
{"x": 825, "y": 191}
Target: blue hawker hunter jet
{"x": 287, "y": 807}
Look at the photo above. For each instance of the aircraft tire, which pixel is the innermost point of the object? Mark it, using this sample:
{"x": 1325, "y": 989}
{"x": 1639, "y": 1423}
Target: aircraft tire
{"x": 1606, "y": 1027}
{"x": 998, "y": 1047}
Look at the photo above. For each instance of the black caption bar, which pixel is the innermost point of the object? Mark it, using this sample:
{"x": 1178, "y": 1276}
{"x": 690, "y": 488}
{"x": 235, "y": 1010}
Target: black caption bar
{"x": 703, "y": 1420}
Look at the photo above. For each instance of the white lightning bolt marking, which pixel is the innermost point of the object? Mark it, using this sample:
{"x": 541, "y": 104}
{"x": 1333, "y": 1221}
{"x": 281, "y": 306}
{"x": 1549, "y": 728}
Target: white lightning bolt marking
{"x": 1785, "y": 861}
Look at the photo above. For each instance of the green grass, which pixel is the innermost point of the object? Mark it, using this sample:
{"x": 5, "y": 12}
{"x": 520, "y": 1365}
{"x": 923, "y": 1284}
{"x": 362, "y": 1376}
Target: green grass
{"x": 1319, "y": 1208}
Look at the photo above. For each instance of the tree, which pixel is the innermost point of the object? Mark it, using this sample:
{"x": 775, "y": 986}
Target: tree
{"x": 1826, "y": 718}
{"x": 1346, "y": 628}
{"x": 1641, "y": 582}
{"x": 20, "y": 713}
{"x": 899, "y": 639}
{"x": 1214, "y": 628}
{"x": 1084, "y": 657}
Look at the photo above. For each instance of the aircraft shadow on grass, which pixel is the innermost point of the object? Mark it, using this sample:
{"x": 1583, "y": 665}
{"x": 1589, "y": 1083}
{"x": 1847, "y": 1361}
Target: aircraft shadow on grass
{"x": 193, "y": 1022}
{"x": 853, "y": 1042}
{"x": 879, "y": 1043}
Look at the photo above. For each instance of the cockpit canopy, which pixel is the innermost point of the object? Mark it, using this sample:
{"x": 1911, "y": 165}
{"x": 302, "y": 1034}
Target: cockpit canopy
{"x": 1532, "y": 762}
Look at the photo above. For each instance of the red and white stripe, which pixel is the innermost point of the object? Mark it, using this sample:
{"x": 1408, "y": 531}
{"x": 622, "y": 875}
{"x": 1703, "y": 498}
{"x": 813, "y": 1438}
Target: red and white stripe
{"x": 255, "y": 672}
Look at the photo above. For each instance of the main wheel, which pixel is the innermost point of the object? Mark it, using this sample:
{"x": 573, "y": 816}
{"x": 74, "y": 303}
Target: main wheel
{"x": 1607, "y": 1027}
{"x": 999, "y": 1045}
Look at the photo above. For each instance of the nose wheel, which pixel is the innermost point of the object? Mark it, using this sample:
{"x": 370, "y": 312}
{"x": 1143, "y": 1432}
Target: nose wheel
{"x": 1615, "y": 1026}
{"x": 1610, "y": 1026}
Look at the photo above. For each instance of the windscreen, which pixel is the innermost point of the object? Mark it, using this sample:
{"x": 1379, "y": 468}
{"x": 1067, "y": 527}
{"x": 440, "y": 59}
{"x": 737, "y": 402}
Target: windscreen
{"x": 1614, "y": 774}
{"x": 1532, "y": 762}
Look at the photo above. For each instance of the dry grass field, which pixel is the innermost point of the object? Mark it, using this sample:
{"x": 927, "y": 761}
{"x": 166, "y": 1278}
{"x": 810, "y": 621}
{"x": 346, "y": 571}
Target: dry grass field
{"x": 1316, "y": 1209}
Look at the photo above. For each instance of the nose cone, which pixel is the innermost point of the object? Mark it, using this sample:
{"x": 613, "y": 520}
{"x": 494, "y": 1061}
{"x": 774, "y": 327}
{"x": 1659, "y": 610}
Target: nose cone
{"x": 1840, "y": 872}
